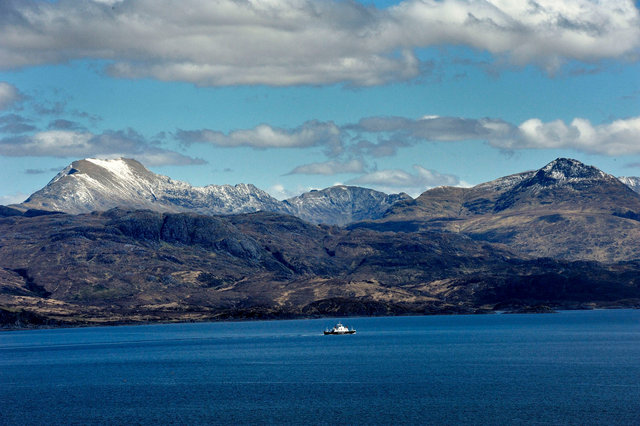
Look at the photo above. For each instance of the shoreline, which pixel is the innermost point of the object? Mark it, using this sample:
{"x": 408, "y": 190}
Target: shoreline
{"x": 530, "y": 310}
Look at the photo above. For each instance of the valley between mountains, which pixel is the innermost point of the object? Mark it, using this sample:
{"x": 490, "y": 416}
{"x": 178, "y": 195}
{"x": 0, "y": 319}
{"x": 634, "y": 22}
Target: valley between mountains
{"x": 110, "y": 242}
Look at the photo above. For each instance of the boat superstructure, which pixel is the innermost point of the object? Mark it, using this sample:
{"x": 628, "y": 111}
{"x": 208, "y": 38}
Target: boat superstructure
{"x": 340, "y": 329}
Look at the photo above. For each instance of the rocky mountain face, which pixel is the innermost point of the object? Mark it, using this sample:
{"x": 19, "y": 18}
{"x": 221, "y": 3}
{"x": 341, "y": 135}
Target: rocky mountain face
{"x": 138, "y": 266}
{"x": 565, "y": 210}
{"x": 340, "y": 205}
{"x": 99, "y": 185}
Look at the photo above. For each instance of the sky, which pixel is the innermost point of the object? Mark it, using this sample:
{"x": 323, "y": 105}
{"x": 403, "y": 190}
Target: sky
{"x": 293, "y": 95}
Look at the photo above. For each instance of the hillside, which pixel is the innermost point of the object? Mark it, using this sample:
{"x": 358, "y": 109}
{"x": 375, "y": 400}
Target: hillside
{"x": 137, "y": 266}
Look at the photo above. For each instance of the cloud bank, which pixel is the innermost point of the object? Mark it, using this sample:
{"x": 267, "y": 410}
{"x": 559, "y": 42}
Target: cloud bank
{"x": 620, "y": 137}
{"x": 311, "y": 133}
{"x": 26, "y": 136}
{"x": 294, "y": 42}
{"x": 14, "y": 198}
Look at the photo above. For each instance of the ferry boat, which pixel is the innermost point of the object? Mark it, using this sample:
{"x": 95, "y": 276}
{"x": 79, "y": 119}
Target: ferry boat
{"x": 340, "y": 329}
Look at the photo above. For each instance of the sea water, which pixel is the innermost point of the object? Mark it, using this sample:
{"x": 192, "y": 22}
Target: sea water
{"x": 580, "y": 367}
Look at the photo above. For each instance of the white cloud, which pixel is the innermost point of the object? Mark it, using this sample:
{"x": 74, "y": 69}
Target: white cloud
{"x": 82, "y": 144}
{"x": 311, "y": 133}
{"x": 9, "y": 95}
{"x": 395, "y": 180}
{"x": 541, "y": 31}
{"x": 291, "y": 42}
{"x": 330, "y": 168}
{"x": 620, "y": 137}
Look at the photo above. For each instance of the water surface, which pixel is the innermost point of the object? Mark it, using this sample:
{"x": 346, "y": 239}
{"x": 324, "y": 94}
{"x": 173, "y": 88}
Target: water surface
{"x": 579, "y": 367}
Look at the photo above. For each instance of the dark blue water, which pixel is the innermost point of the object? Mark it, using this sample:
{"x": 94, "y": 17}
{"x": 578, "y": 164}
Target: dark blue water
{"x": 567, "y": 368}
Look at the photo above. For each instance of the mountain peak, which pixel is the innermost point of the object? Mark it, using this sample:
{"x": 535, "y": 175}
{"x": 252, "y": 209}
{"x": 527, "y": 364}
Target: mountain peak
{"x": 563, "y": 169}
{"x": 564, "y": 180}
{"x": 563, "y": 172}
{"x": 117, "y": 165}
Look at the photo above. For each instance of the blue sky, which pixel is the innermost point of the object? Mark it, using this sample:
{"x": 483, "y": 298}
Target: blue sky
{"x": 295, "y": 94}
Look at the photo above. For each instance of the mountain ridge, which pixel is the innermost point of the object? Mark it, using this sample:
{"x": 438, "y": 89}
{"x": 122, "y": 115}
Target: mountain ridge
{"x": 93, "y": 184}
{"x": 632, "y": 182}
{"x": 99, "y": 185}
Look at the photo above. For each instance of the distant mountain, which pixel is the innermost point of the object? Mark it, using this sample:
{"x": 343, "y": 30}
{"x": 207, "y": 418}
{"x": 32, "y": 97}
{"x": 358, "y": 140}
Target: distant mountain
{"x": 564, "y": 210}
{"x": 342, "y": 204}
{"x": 631, "y": 181}
{"x": 98, "y": 185}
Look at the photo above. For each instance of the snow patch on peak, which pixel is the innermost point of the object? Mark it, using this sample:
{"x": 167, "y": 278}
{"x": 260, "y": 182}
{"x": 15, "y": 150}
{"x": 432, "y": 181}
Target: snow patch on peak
{"x": 117, "y": 166}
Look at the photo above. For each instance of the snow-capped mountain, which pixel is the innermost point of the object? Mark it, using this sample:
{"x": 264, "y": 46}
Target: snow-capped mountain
{"x": 561, "y": 172}
{"x": 632, "y": 182}
{"x": 93, "y": 184}
{"x": 342, "y": 204}
{"x": 564, "y": 181}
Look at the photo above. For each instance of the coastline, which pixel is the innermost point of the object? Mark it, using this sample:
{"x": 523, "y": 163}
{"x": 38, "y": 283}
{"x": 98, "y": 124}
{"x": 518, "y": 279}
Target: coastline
{"x": 263, "y": 315}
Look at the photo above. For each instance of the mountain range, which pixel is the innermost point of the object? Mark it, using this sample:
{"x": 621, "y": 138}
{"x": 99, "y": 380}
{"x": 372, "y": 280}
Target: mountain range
{"x": 564, "y": 236}
{"x": 98, "y": 185}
